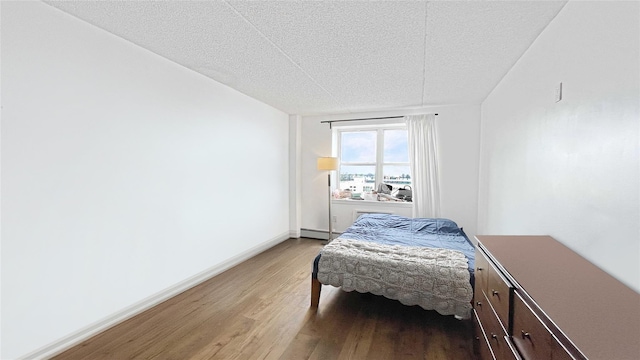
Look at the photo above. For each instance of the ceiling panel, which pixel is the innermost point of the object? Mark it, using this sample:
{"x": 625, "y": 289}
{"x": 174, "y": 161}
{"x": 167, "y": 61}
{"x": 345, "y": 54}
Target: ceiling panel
{"x": 371, "y": 54}
{"x": 209, "y": 37}
{"x": 472, "y": 45}
{"x": 329, "y": 57}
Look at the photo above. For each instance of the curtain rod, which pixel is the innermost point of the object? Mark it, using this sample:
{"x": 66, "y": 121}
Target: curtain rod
{"x": 375, "y": 118}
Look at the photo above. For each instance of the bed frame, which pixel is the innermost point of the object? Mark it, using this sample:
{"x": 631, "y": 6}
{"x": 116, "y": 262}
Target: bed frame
{"x": 436, "y": 225}
{"x": 316, "y": 287}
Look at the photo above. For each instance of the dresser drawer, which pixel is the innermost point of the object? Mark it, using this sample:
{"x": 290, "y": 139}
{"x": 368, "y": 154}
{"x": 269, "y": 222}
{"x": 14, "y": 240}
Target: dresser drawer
{"x": 559, "y": 353}
{"x": 530, "y": 336}
{"x": 539, "y": 344}
{"x": 483, "y": 309}
{"x": 495, "y": 333}
{"x": 499, "y": 292}
{"x": 481, "y": 272}
{"x": 480, "y": 345}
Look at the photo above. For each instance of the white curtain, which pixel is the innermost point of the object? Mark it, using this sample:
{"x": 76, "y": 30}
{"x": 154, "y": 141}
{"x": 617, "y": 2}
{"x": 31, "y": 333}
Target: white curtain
{"x": 423, "y": 156}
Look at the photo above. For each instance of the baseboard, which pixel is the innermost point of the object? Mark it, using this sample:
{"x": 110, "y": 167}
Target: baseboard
{"x": 85, "y": 333}
{"x": 317, "y": 234}
{"x": 295, "y": 234}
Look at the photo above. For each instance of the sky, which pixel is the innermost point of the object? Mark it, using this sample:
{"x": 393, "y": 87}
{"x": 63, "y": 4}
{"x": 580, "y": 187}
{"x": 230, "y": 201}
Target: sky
{"x": 360, "y": 147}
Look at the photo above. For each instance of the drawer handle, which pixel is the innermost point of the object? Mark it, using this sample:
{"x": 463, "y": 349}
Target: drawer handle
{"x": 494, "y": 336}
{"x": 494, "y": 292}
{"x": 479, "y": 269}
{"x": 525, "y": 335}
{"x": 479, "y": 303}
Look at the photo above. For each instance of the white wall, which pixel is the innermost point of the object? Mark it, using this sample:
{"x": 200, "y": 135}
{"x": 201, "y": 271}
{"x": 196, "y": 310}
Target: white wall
{"x": 570, "y": 169}
{"x": 123, "y": 174}
{"x": 458, "y": 131}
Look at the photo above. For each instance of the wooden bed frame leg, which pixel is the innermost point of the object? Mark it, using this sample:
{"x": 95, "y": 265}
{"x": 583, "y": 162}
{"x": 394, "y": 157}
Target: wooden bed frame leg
{"x": 316, "y": 286}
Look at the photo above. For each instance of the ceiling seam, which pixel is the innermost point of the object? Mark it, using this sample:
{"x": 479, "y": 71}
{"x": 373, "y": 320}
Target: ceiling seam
{"x": 424, "y": 53}
{"x": 495, "y": 85}
{"x": 281, "y": 51}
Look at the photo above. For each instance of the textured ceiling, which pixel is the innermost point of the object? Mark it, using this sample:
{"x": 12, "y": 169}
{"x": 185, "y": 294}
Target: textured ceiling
{"x": 328, "y": 57}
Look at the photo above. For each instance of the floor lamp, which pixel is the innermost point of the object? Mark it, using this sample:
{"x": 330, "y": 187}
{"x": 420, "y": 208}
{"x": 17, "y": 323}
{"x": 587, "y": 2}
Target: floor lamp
{"x": 328, "y": 164}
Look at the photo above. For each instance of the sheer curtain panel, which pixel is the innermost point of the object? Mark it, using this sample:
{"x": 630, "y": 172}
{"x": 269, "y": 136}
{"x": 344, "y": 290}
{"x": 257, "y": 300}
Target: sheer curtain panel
{"x": 423, "y": 156}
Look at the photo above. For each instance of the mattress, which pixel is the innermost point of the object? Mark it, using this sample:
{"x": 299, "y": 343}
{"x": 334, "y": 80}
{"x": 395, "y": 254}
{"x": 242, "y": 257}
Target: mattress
{"x": 399, "y": 230}
{"x": 419, "y": 261}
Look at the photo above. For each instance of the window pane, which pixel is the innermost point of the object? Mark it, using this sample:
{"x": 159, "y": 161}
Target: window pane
{"x": 397, "y": 175}
{"x": 396, "y": 148}
{"x": 358, "y": 146}
{"x": 357, "y": 178}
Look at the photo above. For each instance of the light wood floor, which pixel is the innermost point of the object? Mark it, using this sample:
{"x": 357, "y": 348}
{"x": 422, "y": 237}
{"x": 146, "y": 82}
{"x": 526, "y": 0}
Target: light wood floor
{"x": 260, "y": 310}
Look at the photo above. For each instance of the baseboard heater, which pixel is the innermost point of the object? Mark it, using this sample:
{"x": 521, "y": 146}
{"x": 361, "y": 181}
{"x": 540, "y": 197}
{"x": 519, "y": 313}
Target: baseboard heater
{"x": 317, "y": 234}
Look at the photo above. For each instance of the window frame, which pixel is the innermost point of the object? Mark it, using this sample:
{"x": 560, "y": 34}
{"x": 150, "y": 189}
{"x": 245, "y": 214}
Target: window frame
{"x": 379, "y": 163}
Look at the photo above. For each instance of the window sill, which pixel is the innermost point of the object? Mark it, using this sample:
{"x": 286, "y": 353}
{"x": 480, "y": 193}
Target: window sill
{"x": 372, "y": 202}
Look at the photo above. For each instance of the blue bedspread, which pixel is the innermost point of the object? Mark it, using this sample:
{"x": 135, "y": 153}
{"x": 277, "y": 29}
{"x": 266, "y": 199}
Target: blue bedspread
{"x": 399, "y": 230}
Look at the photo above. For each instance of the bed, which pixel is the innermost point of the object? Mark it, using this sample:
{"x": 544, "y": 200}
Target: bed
{"x": 420, "y": 261}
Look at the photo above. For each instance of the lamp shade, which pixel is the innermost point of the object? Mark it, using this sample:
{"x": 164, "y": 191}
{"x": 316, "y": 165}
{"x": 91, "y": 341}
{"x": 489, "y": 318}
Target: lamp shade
{"x": 327, "y": 163}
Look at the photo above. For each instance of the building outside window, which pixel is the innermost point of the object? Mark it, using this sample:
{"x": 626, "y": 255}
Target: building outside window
{"x": 370, "y": 156}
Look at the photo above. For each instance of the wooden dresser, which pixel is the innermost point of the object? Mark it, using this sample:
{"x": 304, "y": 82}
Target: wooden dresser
{"x": 537, "y": 299}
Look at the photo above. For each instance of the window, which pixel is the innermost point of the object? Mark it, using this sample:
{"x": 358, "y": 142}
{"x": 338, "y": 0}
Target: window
{"x": 370, "y": 156}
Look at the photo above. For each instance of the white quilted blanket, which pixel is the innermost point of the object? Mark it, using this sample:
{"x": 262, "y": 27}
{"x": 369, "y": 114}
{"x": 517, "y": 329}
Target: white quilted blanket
{"x": 435, "y": 279}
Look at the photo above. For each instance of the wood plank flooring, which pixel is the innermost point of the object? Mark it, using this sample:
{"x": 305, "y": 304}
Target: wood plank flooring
{"x": 260, "y": 310}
